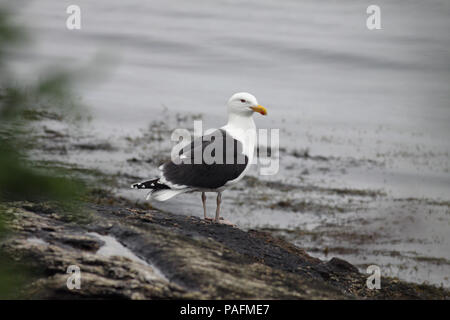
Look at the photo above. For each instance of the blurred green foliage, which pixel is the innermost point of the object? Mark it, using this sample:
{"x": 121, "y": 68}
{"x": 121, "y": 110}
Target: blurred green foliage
{"x": 19, "y": 180}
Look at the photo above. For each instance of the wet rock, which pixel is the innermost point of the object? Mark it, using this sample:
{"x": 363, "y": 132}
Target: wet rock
{"x": 165, "y": 256}
{"x": 339, "y": 265}
{"x": 82, "y": 242}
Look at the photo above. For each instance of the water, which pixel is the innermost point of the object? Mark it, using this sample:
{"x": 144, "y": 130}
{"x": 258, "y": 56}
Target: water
{"x": 374, "y": 105}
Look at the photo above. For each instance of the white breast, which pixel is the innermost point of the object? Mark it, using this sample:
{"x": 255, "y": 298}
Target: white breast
{"x": 243, "y": 130}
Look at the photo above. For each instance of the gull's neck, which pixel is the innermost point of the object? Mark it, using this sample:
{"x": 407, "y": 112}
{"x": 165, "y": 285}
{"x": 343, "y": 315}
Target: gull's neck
{"x": 243, "y": 129}
{"x": 238, "y": 122}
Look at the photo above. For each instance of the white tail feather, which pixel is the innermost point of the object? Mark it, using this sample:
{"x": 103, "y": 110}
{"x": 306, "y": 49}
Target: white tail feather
{"x": 163, "y": 195}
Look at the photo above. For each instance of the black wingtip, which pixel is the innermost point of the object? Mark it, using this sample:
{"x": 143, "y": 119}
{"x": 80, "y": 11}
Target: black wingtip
{"x": 136, "y": 186}
{"x": 150, "y": 184}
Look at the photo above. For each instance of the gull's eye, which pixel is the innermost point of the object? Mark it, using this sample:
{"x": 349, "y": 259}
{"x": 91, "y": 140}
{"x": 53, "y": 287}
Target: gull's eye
{"x": 243, "y": 101}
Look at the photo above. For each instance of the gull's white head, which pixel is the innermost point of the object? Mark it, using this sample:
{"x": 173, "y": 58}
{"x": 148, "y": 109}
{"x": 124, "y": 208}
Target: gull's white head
{"x": 244, "y": 103}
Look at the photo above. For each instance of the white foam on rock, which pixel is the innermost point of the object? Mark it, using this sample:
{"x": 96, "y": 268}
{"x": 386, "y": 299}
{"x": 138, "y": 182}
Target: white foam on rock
{"x": 37, "y": 241}
{"x": 112, "y": 247}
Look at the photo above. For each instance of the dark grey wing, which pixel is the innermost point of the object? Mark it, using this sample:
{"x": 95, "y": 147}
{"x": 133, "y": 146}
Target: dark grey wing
{"x": 208, "y": 162}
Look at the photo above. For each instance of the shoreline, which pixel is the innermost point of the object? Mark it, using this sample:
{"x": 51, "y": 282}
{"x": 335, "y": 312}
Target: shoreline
{"x": 360, "y": 225}
{"x": 179, "y": 257}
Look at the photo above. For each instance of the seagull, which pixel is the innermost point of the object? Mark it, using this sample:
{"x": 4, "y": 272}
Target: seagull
{"x": 213, "y": 162}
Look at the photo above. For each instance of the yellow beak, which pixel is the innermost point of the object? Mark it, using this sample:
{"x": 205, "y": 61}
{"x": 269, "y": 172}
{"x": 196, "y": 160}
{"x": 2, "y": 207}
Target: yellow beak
{"x": 259, "y": 109}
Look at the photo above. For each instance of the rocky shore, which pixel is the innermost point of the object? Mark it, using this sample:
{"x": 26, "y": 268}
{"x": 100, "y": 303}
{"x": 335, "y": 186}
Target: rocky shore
{"x": 127, "y": 251}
